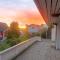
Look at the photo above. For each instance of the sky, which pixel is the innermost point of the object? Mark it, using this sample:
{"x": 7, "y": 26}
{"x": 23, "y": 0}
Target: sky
{"x": 21, "y": 11}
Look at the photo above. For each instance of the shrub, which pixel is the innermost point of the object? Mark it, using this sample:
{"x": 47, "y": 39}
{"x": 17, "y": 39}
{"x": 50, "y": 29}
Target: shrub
{"x": 13, "y": 41}
{"x": 24, "y": 37}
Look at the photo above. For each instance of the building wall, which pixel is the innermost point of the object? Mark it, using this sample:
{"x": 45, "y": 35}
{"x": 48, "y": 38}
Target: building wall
{"x": 33, "y": 29}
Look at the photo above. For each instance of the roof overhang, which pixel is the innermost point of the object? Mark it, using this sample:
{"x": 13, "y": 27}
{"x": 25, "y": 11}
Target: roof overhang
{"x": 49, "y": 9}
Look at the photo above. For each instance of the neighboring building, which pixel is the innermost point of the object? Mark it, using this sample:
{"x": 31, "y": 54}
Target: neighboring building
{"x": 33, "y": 28}
{"x": 3, "y": 28}
{"x": 30, "y": 29}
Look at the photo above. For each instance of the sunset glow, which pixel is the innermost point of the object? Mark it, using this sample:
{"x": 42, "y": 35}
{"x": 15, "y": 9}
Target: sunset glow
{"x": 22, "y": 27}
{"x": 22, "y": 11}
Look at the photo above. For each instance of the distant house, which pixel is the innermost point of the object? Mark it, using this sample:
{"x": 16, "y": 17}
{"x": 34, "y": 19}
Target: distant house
{"x": 3, "y": 28}
{"x": 33, "y": 28}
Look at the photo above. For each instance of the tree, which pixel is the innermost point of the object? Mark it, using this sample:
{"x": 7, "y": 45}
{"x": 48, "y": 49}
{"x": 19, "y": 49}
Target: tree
{"x": 14, "y": 31}
{"x": 14, "y": 26}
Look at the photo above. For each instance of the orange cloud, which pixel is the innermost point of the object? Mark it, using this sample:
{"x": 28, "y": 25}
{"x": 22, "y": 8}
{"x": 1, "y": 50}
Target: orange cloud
{"x": 23, "y": 16}
{"x": 29, "y": 17}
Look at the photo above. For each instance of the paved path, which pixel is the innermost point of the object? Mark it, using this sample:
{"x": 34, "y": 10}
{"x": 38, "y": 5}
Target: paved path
{"x": 40, "y": 51}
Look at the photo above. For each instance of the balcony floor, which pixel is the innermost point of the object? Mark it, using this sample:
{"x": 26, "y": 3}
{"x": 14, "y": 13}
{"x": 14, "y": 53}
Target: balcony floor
{"x": 40, "y": 51}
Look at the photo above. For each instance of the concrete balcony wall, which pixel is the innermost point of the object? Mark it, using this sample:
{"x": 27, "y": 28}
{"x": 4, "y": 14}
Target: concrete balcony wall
{"x": 10, "y": 53}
